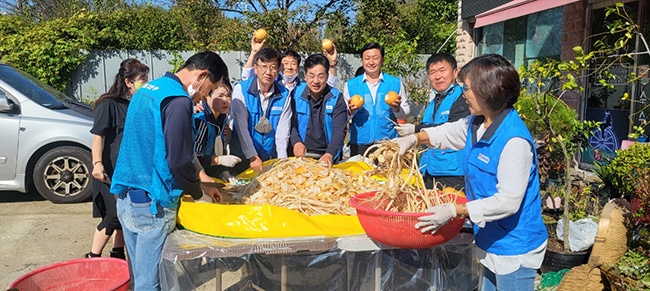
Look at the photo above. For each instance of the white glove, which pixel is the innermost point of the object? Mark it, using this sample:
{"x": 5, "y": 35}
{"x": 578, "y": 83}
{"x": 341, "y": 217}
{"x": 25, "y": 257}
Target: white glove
{"x": 440, "y": 215}
{"x": 232, "y": 180}
{"x": 405, "y": 143}
{"x": 205, "y": 198}
{"x": 405, "y": 129}
{"x": 228, "y": 161}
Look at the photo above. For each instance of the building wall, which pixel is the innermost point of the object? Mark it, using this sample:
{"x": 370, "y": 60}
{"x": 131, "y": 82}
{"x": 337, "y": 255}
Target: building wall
{"x": 573, "y": 34}
{"x": 464, "y": 41}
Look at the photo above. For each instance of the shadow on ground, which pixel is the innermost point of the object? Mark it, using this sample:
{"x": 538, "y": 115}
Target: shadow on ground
{"x": 13, "y": 196}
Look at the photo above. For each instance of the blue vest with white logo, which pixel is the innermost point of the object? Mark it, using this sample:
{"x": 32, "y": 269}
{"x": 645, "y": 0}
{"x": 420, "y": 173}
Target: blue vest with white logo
{"x": 303, "y": 112}
{"x": 141, "y": 162}
{"x": 437, "y": 162}
{"x": 370, "y": 123}
{"x": 264, "y": 143}
{"x": 523, "y": 231}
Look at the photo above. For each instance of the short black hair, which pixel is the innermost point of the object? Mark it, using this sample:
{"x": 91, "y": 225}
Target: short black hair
{"x": 372, "y": 45}
{"x": 266, "y": 55}
{"x": 290, "y": 53}
{"x": 360, "y": 71}
{"x": 317, "y": 59}
{"x": 226, "y": 83}
{"x": 440, "y": 57}
{"x": 209, "y": 61}
{"x": 494, "y": 79}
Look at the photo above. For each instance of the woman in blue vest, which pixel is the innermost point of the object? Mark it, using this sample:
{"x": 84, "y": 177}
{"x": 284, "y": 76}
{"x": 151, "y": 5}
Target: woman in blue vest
{"x": 501, "y": 179}
{"x": 319, "y": 114}
{"x": 210, "y": 125}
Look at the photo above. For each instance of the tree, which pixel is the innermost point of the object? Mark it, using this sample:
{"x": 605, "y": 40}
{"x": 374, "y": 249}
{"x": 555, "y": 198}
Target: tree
{"x": 549, "y": 81}
{"x": 291, "y": 24}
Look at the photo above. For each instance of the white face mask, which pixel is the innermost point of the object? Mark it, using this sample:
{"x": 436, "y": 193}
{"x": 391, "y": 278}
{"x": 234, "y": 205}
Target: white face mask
{"x": 190, "y": 89}
{"x": 288, "y": 79}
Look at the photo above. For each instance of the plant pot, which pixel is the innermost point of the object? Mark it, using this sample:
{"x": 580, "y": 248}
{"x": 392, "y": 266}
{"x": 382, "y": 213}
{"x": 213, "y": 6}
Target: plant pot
{"x": 554, "y": 261}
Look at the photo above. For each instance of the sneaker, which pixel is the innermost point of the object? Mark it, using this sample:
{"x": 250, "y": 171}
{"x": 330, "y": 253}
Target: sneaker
{"x": 118, "y": 254}
{"x": 92, "y": 255}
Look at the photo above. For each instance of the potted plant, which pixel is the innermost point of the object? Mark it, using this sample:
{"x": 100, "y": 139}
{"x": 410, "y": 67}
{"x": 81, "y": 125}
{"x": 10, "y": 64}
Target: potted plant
{"x": 632, "y": 272}
{"x": 548, "y": 83}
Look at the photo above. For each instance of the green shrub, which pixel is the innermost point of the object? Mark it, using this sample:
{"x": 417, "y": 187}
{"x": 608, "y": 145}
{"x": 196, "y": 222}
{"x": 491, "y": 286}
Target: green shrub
{"x": 625, "y": 163}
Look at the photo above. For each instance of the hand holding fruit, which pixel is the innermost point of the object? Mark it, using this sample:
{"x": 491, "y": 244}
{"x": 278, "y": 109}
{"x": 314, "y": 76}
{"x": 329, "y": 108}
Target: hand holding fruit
{"x": 355, "y": 102}
{"x": 260, "y": 35}
{"x": 393, "y": 100}
{"x": 329, "y": 49}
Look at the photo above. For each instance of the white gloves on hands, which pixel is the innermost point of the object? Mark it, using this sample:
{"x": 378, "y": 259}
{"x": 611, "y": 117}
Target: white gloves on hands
{"x": 405, "y": 143}
{"x": 405, "y": 129}
{"x": 232, "y": 180}
{"x": 205, "y": 198}
{"x": 440, "y": 215}
{"x": 228, "y": 160}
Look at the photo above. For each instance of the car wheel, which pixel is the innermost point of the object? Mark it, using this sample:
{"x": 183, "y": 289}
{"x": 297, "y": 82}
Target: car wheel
{"x": 63, "y": 175}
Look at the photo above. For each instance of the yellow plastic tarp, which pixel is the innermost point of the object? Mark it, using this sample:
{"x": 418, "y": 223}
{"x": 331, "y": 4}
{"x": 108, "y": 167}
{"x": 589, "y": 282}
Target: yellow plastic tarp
{"x": 267, "y": 221}
{"x": 262, "y": 221}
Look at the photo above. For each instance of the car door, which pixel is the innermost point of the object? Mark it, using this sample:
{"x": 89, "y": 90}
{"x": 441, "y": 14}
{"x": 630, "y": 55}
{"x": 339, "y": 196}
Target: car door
{"x": 9, "y": 132}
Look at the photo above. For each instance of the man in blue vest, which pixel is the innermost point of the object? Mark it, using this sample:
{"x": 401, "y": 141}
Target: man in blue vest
{"x": 444, "y": 167}
{"x": 320, "y": 114}
{"x": 155, "y": 164}
{"x": 261, "y": 110}
{"x": 375, "y": 120}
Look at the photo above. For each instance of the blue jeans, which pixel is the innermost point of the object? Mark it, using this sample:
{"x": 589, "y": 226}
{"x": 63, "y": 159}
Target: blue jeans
{"x": 144, "y": 236}
{"x": 521, "y": 280}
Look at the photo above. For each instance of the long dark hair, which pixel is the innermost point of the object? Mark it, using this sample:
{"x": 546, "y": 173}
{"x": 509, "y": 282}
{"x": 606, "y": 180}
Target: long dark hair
{"x": 131, "y": 69}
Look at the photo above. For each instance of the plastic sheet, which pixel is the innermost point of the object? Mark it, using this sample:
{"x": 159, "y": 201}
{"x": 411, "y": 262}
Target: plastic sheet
{"x": 582, "y": 233}
{"x": 262, "y": 221}
{"x": 192, "y": 261}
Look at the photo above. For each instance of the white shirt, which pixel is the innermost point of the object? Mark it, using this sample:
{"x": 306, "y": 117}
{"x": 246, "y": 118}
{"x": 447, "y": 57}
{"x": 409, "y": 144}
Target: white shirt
{"x": 250, "y": 72}
{"x": 372, "y": 87}
{"x": 240, "y": 115}
{"x": 512, "y": 181}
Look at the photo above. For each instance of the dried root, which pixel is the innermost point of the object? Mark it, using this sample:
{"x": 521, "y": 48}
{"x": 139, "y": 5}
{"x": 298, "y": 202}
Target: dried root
{"x": 404, "y": 189}
{"x": 306, "y": 186}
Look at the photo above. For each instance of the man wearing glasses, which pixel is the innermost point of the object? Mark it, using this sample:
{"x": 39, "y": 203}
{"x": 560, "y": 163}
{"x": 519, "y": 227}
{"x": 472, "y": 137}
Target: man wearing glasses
{"x": 442, "y": 167}
{"x": 261, "y": 111}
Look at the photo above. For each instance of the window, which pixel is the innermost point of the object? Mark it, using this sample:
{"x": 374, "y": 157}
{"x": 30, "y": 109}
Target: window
{"x": 524, "y": 39}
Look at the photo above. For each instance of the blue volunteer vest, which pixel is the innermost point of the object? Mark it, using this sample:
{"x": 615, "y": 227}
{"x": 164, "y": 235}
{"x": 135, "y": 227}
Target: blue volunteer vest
{"x": 264, "y": 143}
{"x": 523, "y": 231}
{"x": 141, "y": 162}
{"x": 370, "y": 123}
{"x": 303, "y": 112}
{"x": 434, "y": 161}
{"x": 208, "y": 148}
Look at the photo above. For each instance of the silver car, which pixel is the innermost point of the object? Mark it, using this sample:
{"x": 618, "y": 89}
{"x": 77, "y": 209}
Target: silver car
{"x": 46, "y": 139}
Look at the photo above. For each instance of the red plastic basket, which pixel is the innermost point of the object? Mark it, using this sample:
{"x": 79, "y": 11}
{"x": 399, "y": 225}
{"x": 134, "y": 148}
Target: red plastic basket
{"x": 398, "y": 229}
{"x": 78, "y": 274}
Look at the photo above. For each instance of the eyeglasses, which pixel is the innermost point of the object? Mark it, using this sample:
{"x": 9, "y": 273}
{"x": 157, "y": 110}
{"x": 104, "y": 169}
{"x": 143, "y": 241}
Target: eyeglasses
{"x": 264, "y": 68}
{"x": 464, "y": 86}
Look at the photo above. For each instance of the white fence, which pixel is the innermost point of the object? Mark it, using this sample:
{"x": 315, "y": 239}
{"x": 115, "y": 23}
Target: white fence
{"x": 95, "y": 76}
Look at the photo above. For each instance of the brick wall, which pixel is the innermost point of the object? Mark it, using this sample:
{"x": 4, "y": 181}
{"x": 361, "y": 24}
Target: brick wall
{"x": 573, "y": 34}
{"x": 464, "y": 41}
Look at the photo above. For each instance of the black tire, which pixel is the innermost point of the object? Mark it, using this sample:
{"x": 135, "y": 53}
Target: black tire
{"x": 64, "y": 175}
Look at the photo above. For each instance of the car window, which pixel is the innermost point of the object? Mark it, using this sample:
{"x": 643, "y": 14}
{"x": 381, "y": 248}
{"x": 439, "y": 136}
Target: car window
{"x": 32, "y": 88}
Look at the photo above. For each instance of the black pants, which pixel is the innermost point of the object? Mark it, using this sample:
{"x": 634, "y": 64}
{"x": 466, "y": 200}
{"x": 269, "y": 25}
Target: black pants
{"x": 358, "y": 149}
{"x": 457, "y": 182}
